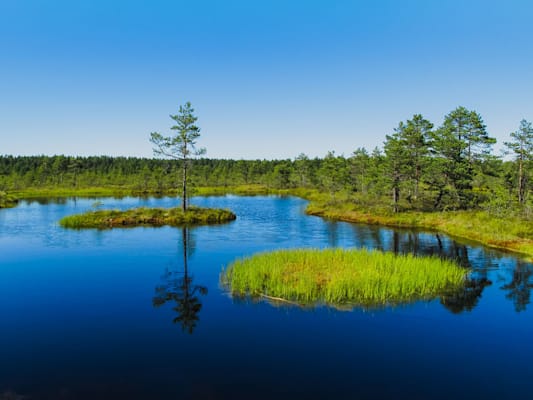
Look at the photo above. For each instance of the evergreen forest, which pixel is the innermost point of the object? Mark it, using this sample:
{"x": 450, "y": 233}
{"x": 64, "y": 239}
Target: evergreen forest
{"x": 420, "y": 167}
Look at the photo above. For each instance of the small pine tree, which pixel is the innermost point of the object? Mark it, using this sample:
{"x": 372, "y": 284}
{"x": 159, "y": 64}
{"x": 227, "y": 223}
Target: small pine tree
{"x": 182, "y": 145}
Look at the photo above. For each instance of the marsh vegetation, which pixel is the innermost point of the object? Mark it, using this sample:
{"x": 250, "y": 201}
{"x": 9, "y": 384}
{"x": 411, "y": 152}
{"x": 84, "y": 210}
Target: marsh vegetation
{"x": 342, "y": 276}
{"x": 142, "y": 216}
{"x": 7, "y": 201}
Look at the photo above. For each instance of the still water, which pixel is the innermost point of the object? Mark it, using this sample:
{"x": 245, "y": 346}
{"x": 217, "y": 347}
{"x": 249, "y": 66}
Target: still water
{"x": 114, "y": 314}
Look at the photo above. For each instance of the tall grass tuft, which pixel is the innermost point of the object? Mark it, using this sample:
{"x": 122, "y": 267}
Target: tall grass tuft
{"x": 7, "y": 201}
{"x": 102, "y": 219}
{"x": 340, "y": 276}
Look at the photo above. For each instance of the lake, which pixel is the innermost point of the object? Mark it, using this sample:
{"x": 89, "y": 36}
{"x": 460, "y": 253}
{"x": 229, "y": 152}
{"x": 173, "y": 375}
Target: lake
{"x": 111, "y": 314}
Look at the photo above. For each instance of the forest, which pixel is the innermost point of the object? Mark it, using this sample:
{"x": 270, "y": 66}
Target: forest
{"x": 420, "y": 167}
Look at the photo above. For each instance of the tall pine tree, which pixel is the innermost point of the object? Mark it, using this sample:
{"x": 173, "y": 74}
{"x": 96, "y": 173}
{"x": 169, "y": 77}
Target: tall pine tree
{"x": 522, "y": 147}
{"x": 459, "y": 143}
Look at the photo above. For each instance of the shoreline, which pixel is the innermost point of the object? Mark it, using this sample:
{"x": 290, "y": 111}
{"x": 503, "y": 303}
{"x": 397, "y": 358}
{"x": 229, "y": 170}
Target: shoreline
{"x": 467, "y": 225}
{"x": 478, "y": 226}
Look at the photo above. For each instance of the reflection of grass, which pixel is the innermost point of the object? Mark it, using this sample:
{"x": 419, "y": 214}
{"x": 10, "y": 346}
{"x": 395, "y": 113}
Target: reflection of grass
{"x": 147, "y": 217}
{"x": 337, "y": 276}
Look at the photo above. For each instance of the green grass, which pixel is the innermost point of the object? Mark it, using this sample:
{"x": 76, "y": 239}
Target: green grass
{"x": 103, "y": 219}
{"x": 119, "y": 191}
{"x": 510, "y": 233}
{"x": 7, "y": 201}
{"x": 96, "y": 191}
{"x": 338, "y": 277}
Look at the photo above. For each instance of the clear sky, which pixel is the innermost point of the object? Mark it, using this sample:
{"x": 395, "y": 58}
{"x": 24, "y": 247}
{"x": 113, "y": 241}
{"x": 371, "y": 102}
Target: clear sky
{"x": 268, "y": 79}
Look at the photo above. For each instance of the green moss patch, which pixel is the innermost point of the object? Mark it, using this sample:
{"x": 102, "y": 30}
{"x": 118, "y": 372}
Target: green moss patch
{"x": 103, "y": 219}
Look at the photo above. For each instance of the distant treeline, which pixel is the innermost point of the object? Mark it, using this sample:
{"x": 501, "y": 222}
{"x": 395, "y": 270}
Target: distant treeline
{"x": 419, "y": 168}
{"x": 28, "y": 172}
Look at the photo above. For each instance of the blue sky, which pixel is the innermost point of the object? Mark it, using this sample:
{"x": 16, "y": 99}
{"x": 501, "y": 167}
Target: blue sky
{"x": 268, "y": 79}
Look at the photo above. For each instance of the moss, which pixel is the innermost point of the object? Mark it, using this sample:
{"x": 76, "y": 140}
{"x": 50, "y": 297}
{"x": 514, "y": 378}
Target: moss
{"x": 103, "y": 219}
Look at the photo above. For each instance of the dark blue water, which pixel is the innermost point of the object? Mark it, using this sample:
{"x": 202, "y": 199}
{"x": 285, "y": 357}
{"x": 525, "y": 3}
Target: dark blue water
{"x": 78, "y": 320}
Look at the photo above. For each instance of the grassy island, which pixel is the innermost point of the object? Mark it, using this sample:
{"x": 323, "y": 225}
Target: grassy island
{"x": 342, "y": 277}
{"x": 7, "y": 201}
{"x": 103, "y": 219}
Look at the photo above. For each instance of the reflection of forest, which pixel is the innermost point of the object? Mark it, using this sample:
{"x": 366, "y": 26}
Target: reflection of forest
{"x": 43, "y": 201}
{"x": 427, "y": 244}
{"x": 409, "y": 242}
{"x": 406, "y": 241}
{"x": 519, "y": 289}
{"x": 178, "y": 287}
{"x": 467, "y": 297}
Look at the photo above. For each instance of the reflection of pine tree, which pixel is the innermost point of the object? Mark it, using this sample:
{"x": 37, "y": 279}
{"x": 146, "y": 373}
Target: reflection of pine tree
{"x": 467, "y": 297}
{"x": 453, "y": 251}
{"x": 520, "y": 286}
{"x": 178, "y": 287}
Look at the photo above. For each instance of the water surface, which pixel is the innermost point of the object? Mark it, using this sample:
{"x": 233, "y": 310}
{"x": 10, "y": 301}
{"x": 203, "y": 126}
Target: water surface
{"x": 110, "y": 314}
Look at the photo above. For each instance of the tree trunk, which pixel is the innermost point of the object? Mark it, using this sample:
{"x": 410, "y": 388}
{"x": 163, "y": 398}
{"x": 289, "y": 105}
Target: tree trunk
{"x": 521, "y": 182}
{"x": 395, "y": 242}
{"x": 395, "y": 198}
{"x": 417, "y": 180}
{"x": 184, "y": 187}
{"x": 185, "y": 234}
{"x": 436, "y": 204}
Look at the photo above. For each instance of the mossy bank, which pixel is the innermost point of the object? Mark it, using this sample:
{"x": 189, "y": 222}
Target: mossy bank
{"x": 104, "y": 219}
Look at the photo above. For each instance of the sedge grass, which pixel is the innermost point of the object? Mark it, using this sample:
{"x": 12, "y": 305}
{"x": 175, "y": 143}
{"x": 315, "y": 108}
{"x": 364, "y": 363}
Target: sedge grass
{"x": 339, "y": 276}
{"x": 143, "y": 216}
